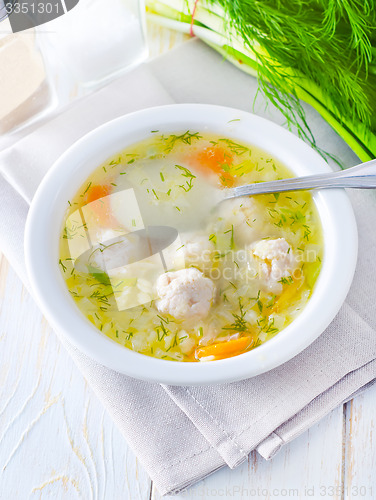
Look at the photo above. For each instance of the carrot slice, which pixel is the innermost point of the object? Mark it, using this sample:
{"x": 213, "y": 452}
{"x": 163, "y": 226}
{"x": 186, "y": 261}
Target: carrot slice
{"x": 215, "y": 159}
{"x": 102, "y": 208}
{"x": 287, "y": 295}
{"x": 224, "y": 349}
{"x": 97, "y": 191}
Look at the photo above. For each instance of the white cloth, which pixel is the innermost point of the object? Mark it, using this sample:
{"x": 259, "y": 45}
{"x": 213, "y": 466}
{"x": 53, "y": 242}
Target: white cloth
{"x": 183, "y": 434}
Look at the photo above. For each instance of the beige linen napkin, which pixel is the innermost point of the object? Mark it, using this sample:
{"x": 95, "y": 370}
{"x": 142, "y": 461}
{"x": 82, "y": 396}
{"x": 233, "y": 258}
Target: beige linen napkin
{"x": 182, "y": 434}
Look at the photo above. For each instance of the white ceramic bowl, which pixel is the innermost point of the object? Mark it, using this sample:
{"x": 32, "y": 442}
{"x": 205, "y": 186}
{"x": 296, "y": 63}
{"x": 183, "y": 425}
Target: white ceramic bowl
{"x": 70, "y": 171}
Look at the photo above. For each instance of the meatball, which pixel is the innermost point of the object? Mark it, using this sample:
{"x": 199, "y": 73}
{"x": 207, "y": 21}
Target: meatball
{"x": 244, "y": 215}
{"x": 198, "y": 252}
{"x": 185, "y": 294}
{"x": 275, "y": 261}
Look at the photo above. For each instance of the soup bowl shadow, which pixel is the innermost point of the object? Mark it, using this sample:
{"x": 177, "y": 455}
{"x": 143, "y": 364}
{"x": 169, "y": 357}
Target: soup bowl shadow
{"x": 47, "y": 211}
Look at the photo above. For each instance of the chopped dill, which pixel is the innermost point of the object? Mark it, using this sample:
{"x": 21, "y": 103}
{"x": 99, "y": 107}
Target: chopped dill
{"x": 115, "y": 162}
{"x": 286, "y": 281}
{"x": 165, "y": 320}
{"x": 87, "y": 189}
{"x": 64, "y": 268}
{"x": 213, "y": 238}
{"x": 175, "y": 343}
{"x": 307, "y": 232}
{"x": 186, "y": 138}
{"x": 161, "y": 176}
{"x": 163, "y": 329}
{"x": 240, "y": 324}
{"x": 235, "y": 148}
{"x": 186, "y": 173}
{"x": 188, "y": 187}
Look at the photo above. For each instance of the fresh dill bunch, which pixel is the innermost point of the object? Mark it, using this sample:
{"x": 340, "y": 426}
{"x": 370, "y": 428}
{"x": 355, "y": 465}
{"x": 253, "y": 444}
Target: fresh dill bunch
{"x": 330, "y": 43}
{"x": 320, "y": 51}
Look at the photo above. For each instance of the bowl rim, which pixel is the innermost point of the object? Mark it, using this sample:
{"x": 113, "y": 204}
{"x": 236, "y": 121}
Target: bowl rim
{"x": 334, "y": 207}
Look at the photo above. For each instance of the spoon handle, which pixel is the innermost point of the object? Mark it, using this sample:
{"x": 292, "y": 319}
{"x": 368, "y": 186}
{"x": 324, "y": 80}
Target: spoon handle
{"x": 361, "y": 176}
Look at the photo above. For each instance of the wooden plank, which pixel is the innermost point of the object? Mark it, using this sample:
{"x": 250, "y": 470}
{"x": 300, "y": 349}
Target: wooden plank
{"x": 56, "y": 440}
{"x": 307, "y": 467}
{"x": 360, "y": 447}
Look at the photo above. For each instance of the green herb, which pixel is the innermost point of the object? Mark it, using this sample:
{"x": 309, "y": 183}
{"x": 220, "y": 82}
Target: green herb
{"x": 99, "y": 275}
{"x": 307, "y": 232}
{"x": 320, "y": 52}
{"x": 175, "y": 343}
{"x": 162, "y": 329}
{"x": 267, "y": 326}
{"x": 129, "y": 335}
{"x": 240, "y": 324}
{"x": 161, "y": 176}
{"x": 213, "y": 238}
{"x": 286, "y": 281}
{"x": 232, "y": 235}
{"x": 185, "y": 138}
{"x": 186, "y": 173}
{"x": 87, "y": 189}
{"x": 165, "y": 320}
{"x": 235, "y": 148}
{"x": 64, "y": 268}
{"x": 115, "y": 162}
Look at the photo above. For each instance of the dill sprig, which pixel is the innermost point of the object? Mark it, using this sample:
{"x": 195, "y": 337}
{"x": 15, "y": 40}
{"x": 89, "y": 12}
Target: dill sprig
{"x": 186, "y": 138}
{"x": 240, "y": 324}
{"x": 321, "y": 52}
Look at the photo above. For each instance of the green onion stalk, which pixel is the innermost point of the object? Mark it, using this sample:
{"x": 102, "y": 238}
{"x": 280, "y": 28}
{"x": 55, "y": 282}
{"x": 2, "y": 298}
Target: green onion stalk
{"x": 322, "y": 52}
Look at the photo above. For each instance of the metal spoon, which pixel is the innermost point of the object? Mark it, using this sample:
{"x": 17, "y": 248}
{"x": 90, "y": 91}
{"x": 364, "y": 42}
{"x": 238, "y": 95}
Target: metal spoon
{"x": 362, "y": 176}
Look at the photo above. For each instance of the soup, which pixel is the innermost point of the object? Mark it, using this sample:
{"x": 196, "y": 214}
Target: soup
{"x": 158, "y": 262}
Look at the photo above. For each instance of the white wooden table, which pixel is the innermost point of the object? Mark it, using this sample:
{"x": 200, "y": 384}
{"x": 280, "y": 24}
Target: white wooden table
{"x": 57, "y": 442}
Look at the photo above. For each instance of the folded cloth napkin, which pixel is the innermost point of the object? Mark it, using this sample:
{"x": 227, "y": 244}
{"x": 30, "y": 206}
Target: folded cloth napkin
{"x": 182, "y": 434}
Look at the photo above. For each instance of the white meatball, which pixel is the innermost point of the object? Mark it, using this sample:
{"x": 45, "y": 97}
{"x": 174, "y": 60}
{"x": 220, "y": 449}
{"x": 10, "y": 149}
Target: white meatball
{"x": 244, "y": 214}
{"x": 185, "y": 294}
{"x": 198, "y": 251}
{"x": 275, "y": 261}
